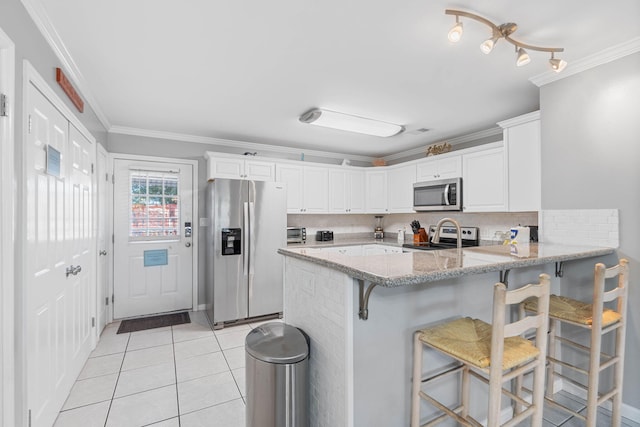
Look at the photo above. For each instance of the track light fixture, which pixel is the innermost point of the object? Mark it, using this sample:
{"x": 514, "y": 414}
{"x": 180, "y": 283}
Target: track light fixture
{"x": 503, "y": 31}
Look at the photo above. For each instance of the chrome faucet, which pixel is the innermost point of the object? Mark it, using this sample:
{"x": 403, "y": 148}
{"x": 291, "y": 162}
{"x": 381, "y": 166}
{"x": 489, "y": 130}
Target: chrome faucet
{"x": 436, "y": 236}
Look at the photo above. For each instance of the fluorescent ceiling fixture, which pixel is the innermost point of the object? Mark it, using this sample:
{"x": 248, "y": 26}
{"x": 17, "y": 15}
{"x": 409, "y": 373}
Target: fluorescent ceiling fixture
{"x": 341, "y": 121}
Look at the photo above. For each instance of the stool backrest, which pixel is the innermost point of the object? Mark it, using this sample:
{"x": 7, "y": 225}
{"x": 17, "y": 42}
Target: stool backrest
{"x": 540, "y": 321}
{"x": 600, "y": 296}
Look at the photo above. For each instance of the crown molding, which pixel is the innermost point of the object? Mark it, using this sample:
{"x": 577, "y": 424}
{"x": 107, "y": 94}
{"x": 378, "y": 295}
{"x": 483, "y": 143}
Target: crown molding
{"x": 599, "y": 58}
{"x": 123, "y": 130}
{"x": 43, "y": 23}
{"x": 525, "y": 118}
{"x": 453, "y": 141}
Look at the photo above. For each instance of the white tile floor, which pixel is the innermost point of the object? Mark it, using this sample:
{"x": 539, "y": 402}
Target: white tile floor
{"x": 186, "y": 376}
{"x": 178, "y": 376}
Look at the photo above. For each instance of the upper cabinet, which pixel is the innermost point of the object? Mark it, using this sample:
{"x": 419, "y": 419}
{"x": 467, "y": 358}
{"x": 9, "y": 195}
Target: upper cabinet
{"x": 522, "y": 149}
{"x": 376, "y": 190}
{"x": 400, "y": 180}
{"x": 307, "y": 187}
{"x": 346, "y": 190}
{"x": 433, "y": 169}
{"x": 483, "y": 180}
{"x": 237, "y": 167}
{"x": 502, "y": 176}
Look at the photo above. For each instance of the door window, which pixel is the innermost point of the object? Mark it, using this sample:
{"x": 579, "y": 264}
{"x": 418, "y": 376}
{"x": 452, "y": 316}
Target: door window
{"x": 154, "y": 209}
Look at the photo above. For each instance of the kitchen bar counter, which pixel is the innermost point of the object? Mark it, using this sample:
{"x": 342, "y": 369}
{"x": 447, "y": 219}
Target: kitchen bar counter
{"x": 411, "y": 268}
{"x": 360, "y": 370}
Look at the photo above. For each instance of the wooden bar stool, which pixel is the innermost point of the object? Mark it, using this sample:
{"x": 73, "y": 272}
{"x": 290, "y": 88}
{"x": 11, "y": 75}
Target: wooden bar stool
{"x": 599, "y": 320}
{"x": 494, "y": 353}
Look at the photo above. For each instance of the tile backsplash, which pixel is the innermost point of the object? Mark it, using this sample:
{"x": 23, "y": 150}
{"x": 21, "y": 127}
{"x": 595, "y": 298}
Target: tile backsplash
{"x": 491, "y": 225}
{"x": 591, "y": 227}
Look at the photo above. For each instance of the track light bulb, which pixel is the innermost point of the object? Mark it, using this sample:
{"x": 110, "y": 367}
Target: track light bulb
{"x": 557, "y": 64}
{"x": 455, "y": 34}
{"x": 523, "y": 57}
{"x": 487, "y": 46}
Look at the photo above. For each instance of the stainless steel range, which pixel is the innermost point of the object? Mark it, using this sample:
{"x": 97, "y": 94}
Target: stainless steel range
{"x": 448, "y": 239}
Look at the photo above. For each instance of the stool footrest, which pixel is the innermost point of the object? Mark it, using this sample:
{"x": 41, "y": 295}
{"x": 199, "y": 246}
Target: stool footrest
{"x": 560, "y": 406}
{"x": 467, "y": 422}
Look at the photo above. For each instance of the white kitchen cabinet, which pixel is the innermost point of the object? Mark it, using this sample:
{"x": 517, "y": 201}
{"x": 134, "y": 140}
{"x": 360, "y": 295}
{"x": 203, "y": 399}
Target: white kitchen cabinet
{"x": 432, "y": 169}
{"x": 400, "y": 180}
{"x": 240, "y": 168}
{"x": 346, "y": 190}
{"x": 380, "y": 250}
{"x": 355, "y": 250}
{"x": 376, "y": 191}
{"x": 307, "y": 187}
{"x": 483, "y": 180}
{"x": 522, "y": 149}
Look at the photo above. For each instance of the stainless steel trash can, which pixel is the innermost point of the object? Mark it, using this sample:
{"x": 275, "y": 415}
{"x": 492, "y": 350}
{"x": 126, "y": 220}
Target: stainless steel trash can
{"x": 277, "y": 385}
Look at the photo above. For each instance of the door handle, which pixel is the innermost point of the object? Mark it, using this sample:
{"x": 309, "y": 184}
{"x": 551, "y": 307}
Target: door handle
{"x": 103, "y": 252}
{"x": 73, "y": 270}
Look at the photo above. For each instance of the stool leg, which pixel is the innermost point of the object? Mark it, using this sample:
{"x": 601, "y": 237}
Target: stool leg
{"x": 464, "y": 392}
{"x": 594, "y": 374}
{"x": 417, "y": 380}
{"x": 618, "y": 377}
{"x": 537, "y": 398}
{"x": 553, "y": 325}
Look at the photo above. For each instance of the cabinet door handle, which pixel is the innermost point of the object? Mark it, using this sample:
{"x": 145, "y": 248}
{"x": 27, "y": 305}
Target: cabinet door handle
{"x": 103, "y": 252}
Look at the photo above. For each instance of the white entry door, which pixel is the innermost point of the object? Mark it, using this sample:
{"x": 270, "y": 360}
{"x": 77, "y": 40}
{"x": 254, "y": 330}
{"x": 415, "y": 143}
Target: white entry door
{"x": 59, "y": 256}
{"x": 153, "y": 252}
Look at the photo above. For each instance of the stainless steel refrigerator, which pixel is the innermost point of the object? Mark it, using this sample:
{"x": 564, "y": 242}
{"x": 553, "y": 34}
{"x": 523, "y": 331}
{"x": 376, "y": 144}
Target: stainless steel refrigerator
{"x": 247, "y": 225}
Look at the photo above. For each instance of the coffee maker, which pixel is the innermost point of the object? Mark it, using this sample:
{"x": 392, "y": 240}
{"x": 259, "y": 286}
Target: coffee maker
{"x": 378, "y": 233}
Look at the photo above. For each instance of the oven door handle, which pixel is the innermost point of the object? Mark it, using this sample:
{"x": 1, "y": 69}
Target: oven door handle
{"x": 446, "y": 194}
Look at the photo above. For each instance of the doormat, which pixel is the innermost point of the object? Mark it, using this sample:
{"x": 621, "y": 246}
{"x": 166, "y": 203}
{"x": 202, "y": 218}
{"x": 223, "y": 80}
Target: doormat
{"x": 133, "y": 325}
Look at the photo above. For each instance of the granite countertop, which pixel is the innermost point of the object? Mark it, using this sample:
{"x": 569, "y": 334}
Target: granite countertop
{"x": 411, "y": 268}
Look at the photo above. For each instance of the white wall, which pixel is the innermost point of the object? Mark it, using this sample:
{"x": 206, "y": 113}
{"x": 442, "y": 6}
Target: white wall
{"x": 590, "y": 160}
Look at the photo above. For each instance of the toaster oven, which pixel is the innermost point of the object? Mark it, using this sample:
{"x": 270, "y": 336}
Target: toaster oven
{"x": 296, "y": 235}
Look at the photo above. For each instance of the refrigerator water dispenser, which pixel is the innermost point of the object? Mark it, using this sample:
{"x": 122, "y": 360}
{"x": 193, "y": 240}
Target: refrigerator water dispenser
{"x": 231, "y": 238}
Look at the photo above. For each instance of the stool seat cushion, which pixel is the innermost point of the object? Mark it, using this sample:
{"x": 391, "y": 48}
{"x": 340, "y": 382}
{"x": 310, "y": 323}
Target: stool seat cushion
{"x": 469, "y": 340}
{"x": 571, "y": 310}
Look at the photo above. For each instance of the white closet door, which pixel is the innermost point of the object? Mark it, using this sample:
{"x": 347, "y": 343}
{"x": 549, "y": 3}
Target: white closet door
{"x": 58, "y": 262}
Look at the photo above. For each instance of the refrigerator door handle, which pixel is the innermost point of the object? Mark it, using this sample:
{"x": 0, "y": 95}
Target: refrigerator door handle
{"x": 245, "y": 239}
{"x": 252, "y": 239}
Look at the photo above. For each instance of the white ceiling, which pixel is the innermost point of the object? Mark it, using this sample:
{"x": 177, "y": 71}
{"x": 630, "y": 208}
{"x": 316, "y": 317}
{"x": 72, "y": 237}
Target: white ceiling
{"x": 246, "y": 70}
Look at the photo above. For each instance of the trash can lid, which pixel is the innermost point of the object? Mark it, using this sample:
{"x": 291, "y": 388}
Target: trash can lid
{"x": 277, "y": 342}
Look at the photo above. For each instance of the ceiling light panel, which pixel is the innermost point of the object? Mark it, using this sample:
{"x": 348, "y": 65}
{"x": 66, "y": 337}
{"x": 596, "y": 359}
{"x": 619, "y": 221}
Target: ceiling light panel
{"x": 350, "y": 123}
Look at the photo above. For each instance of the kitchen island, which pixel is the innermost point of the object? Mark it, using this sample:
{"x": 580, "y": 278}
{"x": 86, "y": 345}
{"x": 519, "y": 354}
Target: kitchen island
{"x": 360, "y": 313}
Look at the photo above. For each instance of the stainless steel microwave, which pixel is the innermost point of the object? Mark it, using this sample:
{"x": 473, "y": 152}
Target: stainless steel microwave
{"x": 440, "y": 195}
{"x": 296, "y": 235}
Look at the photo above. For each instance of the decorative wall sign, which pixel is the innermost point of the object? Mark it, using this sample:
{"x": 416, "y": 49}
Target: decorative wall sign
{"x": 435, "y": 149}
{"x": 53, "y": 161}
{"x": 68, "y": 88}
{"x": 156, "y": 257}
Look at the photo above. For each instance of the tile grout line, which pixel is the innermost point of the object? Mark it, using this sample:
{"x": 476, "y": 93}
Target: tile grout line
{"x": 117, "y": 379}
{"x": 175, "y": 372}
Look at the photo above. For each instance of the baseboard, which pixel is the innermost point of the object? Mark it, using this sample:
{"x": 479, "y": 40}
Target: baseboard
{"x": 201, "y": 307}
{"x": 628, "y": 411}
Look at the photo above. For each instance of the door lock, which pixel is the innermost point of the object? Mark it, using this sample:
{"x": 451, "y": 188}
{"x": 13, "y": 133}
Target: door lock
{"x": 187, "y": 229}
{"x": 188, "y": 244}
{"x": 103, "y": 252}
